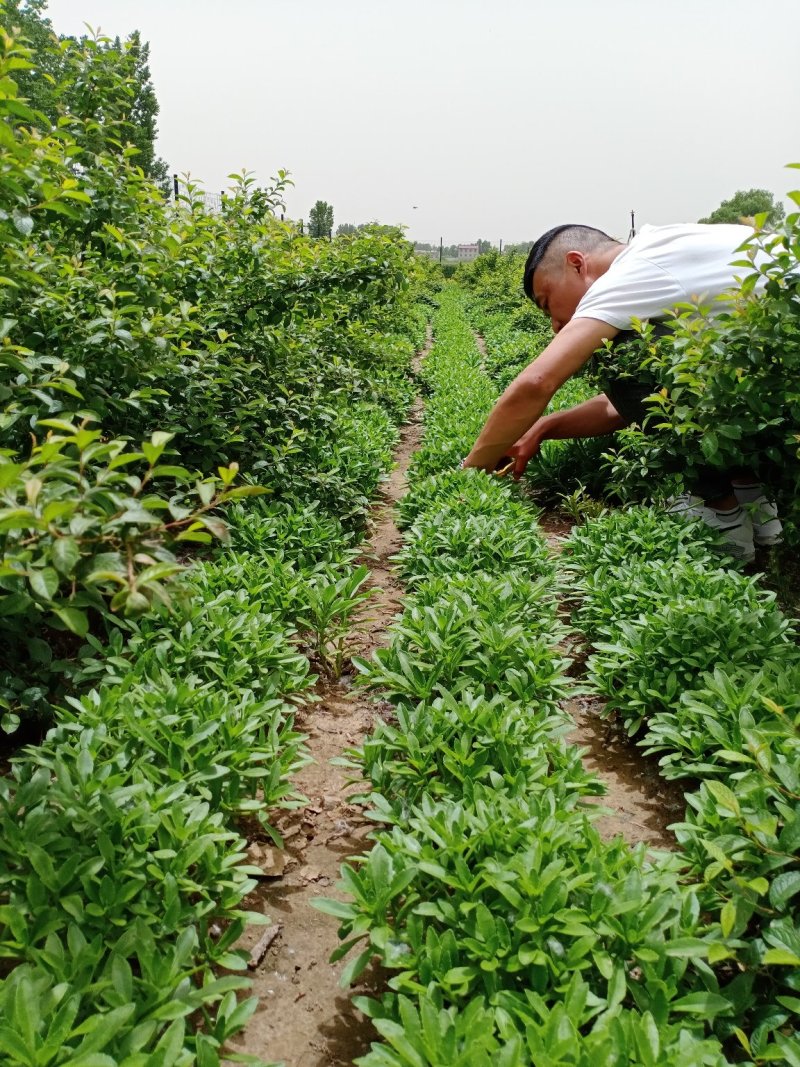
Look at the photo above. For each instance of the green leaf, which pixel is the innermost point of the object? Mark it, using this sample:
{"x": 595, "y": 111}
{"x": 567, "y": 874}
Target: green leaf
{"x": 74, "y": 619}
{"x": 9, "y": 722}
{"x": 706, "y": 1004}
{"x": 17, "y": 519}
{"x": 688, "y": 947}
{"x": 783, "y": 888}
{"x": 724, "y": 796}
{"x": 718, "y": 952}
{"x": 13, "y": 1045}
{"x": 782, "y": 957}
{"x": 355, "y": 967}
{"x": 44, "y": 583}
{"x": 91, "y": 1059}
{"x": 24, "y": 223}
{"x": 66, "y": 555}
{"x": 727, "y": 918}
{"x": 171, "y": 1041}
{"x": 101, "y": 1028}
{"x": 231, "y": 961}
{"x": 136, "y": 604}
{"x": 337, "y": 908}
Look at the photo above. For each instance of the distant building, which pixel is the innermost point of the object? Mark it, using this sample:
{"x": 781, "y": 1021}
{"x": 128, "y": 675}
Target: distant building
{"x": 467, "y": 251}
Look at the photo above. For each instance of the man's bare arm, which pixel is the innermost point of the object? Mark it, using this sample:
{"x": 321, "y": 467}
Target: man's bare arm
{"x": 529, "y": 394}
{"x": 592, "y": 418}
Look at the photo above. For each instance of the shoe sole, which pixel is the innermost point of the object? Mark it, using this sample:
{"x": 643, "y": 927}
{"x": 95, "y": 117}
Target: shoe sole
{"x": 745, "y": 553}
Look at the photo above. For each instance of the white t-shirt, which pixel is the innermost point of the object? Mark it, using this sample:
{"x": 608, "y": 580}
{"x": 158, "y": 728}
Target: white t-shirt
{"x": 664, "y": 266}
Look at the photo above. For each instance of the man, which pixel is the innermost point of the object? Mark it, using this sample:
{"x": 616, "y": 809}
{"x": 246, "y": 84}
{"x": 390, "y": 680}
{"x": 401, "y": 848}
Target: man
{"x": 593, "y": 287}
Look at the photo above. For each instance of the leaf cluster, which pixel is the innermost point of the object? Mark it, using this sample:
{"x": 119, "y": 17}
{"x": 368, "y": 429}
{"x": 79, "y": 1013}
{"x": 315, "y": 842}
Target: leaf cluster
{"x": 122, "y": 872}
{"x": 700, "y": 658}
{"x": 224, "y": 339}
{"x": 501, "y": 914}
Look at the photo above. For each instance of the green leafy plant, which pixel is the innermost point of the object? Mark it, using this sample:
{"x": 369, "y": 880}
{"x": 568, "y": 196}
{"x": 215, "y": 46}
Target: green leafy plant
{"x": 331, "y": 603}
{"x": 489, "y": 896}
{"x": 225, "y": 342}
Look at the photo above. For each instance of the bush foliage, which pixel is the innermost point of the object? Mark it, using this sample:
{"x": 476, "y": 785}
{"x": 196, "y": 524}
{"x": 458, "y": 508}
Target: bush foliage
{"x": 160, "y": 364}
{"x": 232, "y": 345}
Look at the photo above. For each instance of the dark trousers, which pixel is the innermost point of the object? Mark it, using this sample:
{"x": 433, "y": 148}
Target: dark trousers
{"x": 628, "y": 397}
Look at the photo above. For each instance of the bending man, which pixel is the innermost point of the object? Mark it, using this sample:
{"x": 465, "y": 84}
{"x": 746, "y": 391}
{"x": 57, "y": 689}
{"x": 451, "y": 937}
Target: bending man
{"x": 593, "y": 287}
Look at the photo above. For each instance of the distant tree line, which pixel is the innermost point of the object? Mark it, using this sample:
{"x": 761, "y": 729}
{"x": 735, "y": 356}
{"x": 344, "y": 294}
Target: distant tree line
{"x": 320, "y": 224}
{"x": 351, "y": 229}
{"x": 744, "y": 204}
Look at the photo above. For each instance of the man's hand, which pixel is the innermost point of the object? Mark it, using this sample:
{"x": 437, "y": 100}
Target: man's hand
{"x": 592, "y": 418}
{"x": 529, "y": 394}
{"x": 528, "y": 446}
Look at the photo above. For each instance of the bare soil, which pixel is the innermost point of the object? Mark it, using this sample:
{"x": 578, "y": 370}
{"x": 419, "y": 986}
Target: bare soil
{"x": 305, "y": 1019}
{"x": 640, "y": 805}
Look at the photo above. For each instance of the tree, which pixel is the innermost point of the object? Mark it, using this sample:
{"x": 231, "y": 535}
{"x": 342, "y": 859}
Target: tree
{"x": 69, "y": 76}
{"x": 746, "y": 203}
{"x": 347, "y": 229}
{"x": 521, "y": 248}
{"x": 26, "y": 18}
{"x": 320, "y": 220}
{"x": 483, "y": 246}
{"x": 144, "y": 110}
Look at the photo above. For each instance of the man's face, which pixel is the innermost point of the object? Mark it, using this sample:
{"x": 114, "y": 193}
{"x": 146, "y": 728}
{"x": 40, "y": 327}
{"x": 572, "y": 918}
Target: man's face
{"x": 558, "y": 290}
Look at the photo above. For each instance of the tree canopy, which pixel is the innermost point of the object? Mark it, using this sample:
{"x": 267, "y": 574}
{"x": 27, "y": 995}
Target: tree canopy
{"x": 745, "y": 204}
{"x": 69, "y": 78}
{"x": 320, "y": 219}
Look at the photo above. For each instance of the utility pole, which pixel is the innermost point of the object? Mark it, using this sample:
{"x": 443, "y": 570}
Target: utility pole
{"x": 175, "y": 186}
{"x": 632, "y": 234}
{"x": 441, "y": 251}
{"x": 501, "y": 246}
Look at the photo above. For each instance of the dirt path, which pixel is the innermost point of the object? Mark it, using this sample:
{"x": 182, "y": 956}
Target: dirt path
{"x": 304, "y": 1018}
{"x": 641, "y": 804}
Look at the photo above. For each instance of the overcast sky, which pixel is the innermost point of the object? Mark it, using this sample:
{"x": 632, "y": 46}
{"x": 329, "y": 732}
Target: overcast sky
{"x": 475, "y": 118}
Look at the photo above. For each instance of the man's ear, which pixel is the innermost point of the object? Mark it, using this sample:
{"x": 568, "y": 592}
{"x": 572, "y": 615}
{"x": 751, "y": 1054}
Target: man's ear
{"x": 576, "y": 261}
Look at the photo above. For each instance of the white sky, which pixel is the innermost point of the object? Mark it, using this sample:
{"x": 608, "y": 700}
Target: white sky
{"x": 496, "y": 118}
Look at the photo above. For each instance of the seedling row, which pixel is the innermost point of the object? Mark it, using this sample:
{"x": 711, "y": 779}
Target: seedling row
{"x": 510, "y": 932}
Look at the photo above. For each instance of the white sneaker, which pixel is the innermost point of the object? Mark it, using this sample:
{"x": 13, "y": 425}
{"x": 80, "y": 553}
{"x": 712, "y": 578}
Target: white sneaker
{"x": 767, "y": 527}
{"x": 735, "y": 525}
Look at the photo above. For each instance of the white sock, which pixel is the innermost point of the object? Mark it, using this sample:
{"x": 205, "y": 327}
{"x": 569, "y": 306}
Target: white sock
{"x": 748, "y": 492}
{"x": 732, "y": 512}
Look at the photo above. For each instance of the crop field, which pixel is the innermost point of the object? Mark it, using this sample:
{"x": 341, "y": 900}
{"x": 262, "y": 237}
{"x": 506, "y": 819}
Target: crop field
{"x": 289, "y": 767}
{"x": 511, "y": 929}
